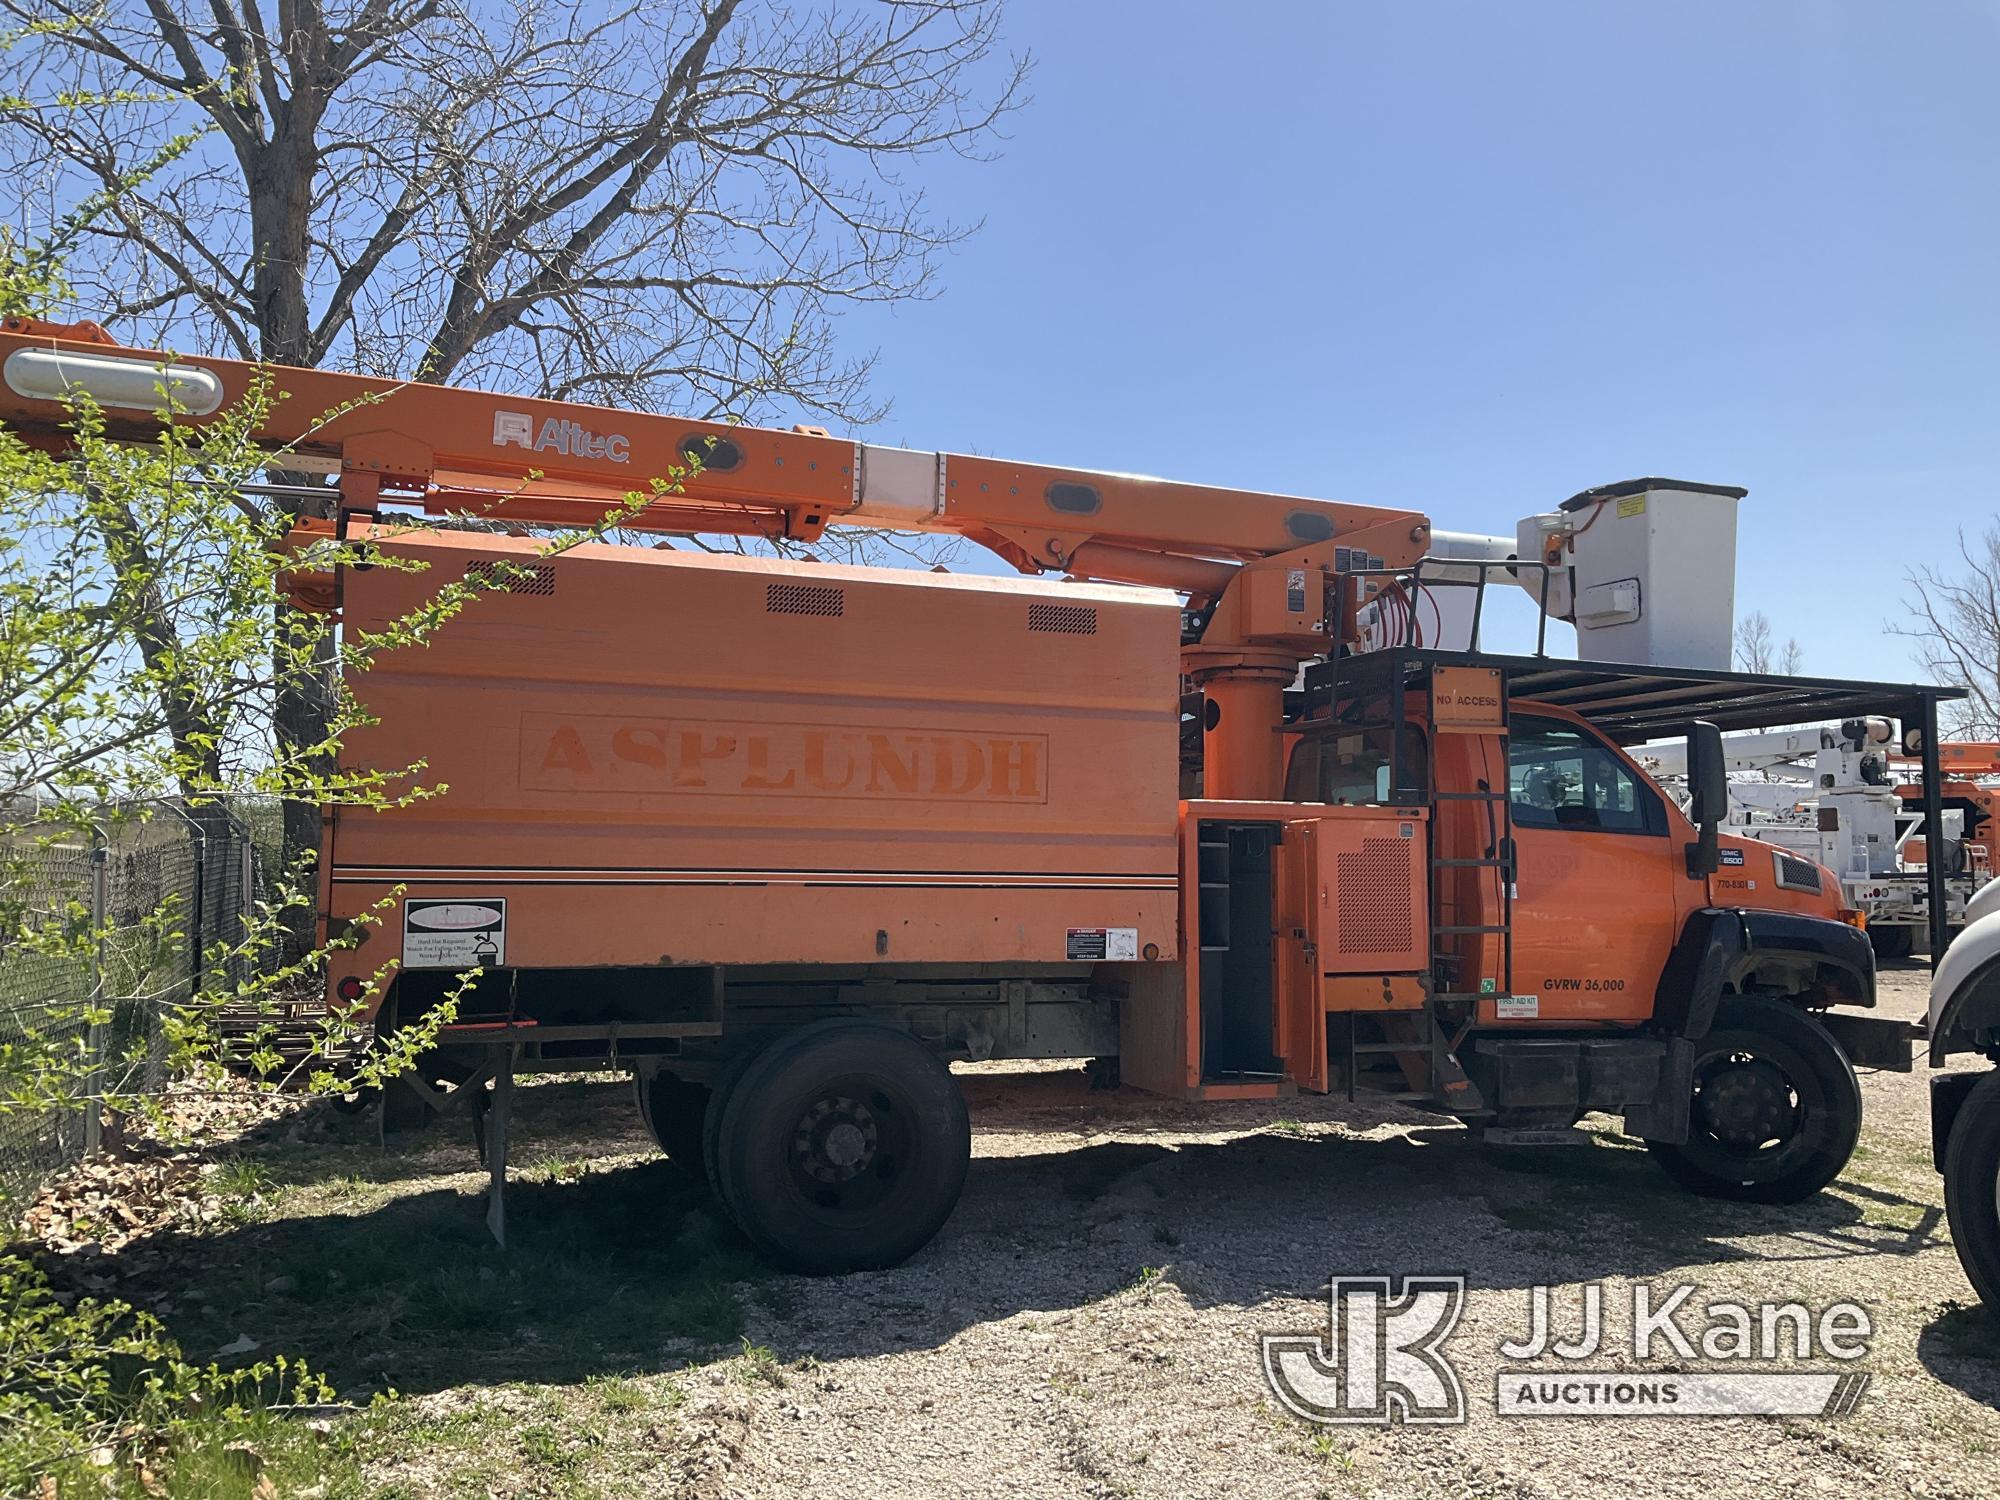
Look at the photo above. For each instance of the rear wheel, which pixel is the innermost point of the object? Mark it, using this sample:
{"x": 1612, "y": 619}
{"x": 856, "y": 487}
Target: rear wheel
{"x": 1776, "y": 1108}
{"x": 843, "y": 1147}
{"x": 1972, "y": 1187}
{"x": 672, "y": 1109}
{"x": 711, "y": 1121}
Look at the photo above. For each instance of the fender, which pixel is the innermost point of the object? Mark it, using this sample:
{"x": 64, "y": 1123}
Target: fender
{"x": 1965, "y": 989}
{"x": 1719, "y": 945}
{"x": 1829, "y": 944}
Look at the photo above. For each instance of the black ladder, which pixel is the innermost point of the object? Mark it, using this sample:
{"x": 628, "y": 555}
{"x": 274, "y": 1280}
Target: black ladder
{"x": 1412, "y": 1055}
{"x": 1447, "y": 964}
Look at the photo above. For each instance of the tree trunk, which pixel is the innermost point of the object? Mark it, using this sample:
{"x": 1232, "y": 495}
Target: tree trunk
{"x": 280, "y": 178}
{"x": 302, "y": 716}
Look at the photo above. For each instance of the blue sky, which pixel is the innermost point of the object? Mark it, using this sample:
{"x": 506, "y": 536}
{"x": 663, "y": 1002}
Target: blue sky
{"x": 1474, "y": 257}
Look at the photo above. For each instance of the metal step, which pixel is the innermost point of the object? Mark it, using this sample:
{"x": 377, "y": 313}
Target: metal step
{"x": 1550, "y": 1135}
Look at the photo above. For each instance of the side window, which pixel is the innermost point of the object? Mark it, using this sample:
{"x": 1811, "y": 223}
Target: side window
{"x": 1354, "y": 768}
{"x": 1560, "y": 776}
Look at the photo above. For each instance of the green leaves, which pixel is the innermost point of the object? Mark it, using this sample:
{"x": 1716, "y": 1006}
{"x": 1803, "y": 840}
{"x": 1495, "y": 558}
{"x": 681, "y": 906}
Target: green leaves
{"x": 99, "y": 1387}
{"x": 148, "y": 642}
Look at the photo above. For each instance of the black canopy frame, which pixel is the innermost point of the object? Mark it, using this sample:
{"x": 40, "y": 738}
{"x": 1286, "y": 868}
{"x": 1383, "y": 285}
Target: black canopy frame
{"x": 1630, "y": 704}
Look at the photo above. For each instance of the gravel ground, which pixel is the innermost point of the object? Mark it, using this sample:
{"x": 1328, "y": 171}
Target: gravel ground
{"x": 1088, "y": 1321}
{"x": 1086, "y": 1324}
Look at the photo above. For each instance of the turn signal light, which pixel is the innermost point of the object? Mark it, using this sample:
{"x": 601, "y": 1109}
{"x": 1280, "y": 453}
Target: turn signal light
{"x": 1853, "y": 918}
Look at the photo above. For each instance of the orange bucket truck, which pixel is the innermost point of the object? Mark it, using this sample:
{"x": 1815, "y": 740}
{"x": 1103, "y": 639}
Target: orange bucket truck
{"x": 1221, "y": 796}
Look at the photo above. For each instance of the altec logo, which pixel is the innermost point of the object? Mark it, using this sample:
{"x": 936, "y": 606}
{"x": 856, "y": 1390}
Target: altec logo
{"x": 558, "y": 435}
{"x": 603, "y": 754}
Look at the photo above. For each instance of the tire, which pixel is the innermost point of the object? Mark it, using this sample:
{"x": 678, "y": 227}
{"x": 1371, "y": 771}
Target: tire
{"x": 673, "y": 1109}
{"x": 1892, "y": 944}
{"x": 1972, "y": 1187}
{"x": 1776, "y": 1111}
{"x": 843, "y": 1147}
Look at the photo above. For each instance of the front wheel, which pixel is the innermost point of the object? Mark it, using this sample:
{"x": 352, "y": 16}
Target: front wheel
{"x": 1972, "y": 1187}
{"x": 1776, "y": 1108}
{"x": 843, "y": 1147}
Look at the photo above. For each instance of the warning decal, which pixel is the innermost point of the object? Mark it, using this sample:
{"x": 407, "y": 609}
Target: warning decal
{"x": 455, "y": 932}
{"x": 1089, "y": 944}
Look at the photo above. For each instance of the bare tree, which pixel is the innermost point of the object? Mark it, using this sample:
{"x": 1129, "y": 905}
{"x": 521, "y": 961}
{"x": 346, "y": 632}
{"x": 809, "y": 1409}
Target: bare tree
{"x": 1753, "y": 642}
{"x": 660, "y": 203}
{"x": 1954, "y": 620}
{"x": 1757, "y": 649}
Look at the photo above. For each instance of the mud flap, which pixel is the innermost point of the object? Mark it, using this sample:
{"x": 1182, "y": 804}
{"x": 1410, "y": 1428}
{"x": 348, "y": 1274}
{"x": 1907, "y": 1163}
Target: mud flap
{"x": 1948, "y": 1093}
{"x": 1872, "y": 1041}
{"x": 1664, "y": 1116}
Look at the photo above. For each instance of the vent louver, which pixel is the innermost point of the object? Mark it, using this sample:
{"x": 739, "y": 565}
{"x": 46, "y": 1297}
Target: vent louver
{"x": 823, "y": 599}
{"x": 1063, "y": 619}
{"x": 1797, "y": 874}
{"x": 1375, "y": 911}
{"x": 536, "y": 579}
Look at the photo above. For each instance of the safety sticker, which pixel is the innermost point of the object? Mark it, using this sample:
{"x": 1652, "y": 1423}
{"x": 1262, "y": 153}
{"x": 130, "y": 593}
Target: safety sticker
{"x": 1517, "y": 1007}
{"x": 1631, "y": 505}
{"x": 1092, "y": 944}
{"x": 457, "y": 932}
{"x": 1295, "y": 591}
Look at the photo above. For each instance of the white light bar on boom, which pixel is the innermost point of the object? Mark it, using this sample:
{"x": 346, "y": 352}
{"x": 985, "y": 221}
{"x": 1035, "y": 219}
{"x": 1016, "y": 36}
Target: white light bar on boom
{"x": 112, "y": 381}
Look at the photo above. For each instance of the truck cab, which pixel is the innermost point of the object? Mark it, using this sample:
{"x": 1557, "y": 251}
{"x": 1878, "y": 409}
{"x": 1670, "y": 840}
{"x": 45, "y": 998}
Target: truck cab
{"x": 1602, "y": 887}
{"x": 1593, "y": 946}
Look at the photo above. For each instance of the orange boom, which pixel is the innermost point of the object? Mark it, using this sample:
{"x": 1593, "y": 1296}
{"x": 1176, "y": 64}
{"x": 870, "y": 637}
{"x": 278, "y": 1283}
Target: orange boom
{"x": 785, "y": 840}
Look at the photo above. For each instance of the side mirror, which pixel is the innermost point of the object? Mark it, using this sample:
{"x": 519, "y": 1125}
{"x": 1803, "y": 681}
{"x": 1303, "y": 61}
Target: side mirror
{"x": 1708, "y": 795}
{"x": 1708, "y": 774}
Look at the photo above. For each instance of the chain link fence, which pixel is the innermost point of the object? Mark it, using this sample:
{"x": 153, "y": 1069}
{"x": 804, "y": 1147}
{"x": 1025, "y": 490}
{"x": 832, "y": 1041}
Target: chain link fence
{"x": 142, "y": 912}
